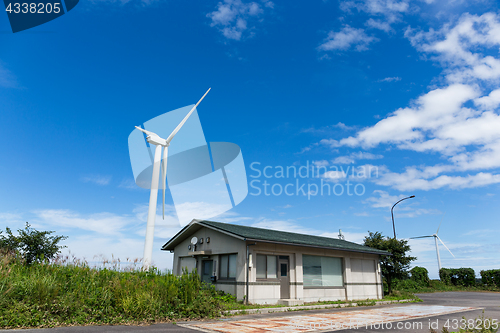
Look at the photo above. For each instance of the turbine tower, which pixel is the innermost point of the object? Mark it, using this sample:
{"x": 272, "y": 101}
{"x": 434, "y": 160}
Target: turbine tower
{"x": 159, "y": 142}
{"x": 436, "y": 237}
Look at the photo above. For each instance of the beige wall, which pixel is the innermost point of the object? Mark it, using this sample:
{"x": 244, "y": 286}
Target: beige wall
{"x": 219, "y": 244}
{"x": 361, "y": 271}
{"x": 361, "y": 283}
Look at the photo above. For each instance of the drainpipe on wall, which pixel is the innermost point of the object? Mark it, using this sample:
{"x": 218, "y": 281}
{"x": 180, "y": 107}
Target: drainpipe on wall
{"x": 248, "y": 272}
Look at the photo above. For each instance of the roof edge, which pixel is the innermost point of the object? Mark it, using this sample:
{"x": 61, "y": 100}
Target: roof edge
{"x": 381, "y": 252}
{"x": 198, "y": 222}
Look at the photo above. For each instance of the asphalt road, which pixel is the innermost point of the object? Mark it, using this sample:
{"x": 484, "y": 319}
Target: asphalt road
{"x": 490, "y": 302}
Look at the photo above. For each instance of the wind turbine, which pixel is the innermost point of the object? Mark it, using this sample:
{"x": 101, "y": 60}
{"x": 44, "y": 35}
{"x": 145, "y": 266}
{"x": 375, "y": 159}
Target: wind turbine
{"x": 436, "y": 237}
{"x": 159, "y": 142}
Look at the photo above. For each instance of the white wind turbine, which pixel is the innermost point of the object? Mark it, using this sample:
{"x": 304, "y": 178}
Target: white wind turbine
{"x": 436, "y": 237}
{"x": 154, "y": 139}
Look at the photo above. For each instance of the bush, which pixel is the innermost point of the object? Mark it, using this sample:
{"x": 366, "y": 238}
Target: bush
{"x": 47, "y": 295}
{"x": 31, "y": 244}
{"x": 491, "y": 277}
{"x": 420, "y": 275}
{"x": 465, "y": 277}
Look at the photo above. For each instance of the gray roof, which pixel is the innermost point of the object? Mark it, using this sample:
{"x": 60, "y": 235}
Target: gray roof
{"x": 272, "y": 236}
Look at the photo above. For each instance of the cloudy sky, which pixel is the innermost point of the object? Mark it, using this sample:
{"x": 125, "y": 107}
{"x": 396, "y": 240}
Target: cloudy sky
{"x": 381, "y": 99}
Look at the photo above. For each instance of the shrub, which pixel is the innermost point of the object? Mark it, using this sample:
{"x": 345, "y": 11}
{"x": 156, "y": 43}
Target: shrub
{"x": 465, "y": 277}
{"x": 59, "y": 294}
{"x": 33, "y": 245}
{"x": 491, "y": 277}
{"x": 420, "y": 275}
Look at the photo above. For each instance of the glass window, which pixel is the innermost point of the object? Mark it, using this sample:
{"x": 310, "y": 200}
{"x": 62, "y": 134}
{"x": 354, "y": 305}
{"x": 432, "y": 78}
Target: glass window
{"x": 284, "y": 269}
{"x": 322, "y": 271}
{"x": 261, "y": 266}
{"x": 232, "y": 266}
{"x": 227, "y": 266}
{"x": 266, "y": 267}
{"x": 271, "y": 267}
{"x": 223, "y": 266}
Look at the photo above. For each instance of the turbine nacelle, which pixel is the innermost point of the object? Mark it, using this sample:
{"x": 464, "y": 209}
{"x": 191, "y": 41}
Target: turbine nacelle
{"x": 154, "y": 138}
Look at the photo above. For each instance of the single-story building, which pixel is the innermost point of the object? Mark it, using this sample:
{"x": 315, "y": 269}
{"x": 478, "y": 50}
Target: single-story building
{"x": 275, "y": 266}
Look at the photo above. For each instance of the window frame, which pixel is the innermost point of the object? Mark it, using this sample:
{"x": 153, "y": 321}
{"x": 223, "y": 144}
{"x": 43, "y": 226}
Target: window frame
{"x": 277, "y": 268}
{"x": 342, "y": 267}
{"x": 220, "y": 277}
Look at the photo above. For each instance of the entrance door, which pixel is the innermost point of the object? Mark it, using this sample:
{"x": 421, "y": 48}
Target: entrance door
{"x": 206, "y": 270}
{"x": 284, "y": 277}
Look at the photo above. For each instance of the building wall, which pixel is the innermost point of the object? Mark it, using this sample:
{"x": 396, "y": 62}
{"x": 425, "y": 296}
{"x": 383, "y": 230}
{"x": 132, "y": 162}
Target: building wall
{"x": 219, "y": 244}
{"x": 361, "y": 278}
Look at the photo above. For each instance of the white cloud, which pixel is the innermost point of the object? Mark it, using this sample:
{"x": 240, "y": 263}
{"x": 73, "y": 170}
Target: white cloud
{"x": 382, "y": 199}
{"x": 408, "y": 127}
{"x": 414, "y": 179}
{"x": 489, "y": 102}
{"x": 390, "y": 79}
{"x": 353, "y": 157}
{"x": 345, "y": 39}
{"x": 458, "y": 47}
{"x": 11, "y": 218}
{"x": 329, "y": 129}
{"x": 106, "y": 223}
{"x": 97, "y": 179}
{"x": 7, "y": 79}
{"x": 388, "y": 8}
{"x": 378, "y": 24}
{"x": 322, "y": 163}
{"x": 334, "y": 176}
{"x": 129, "y": 184}
{"x": 386, "y": 12}
{"x": 443, "y": 121}
{"x": 103, "y": 223}
{"x": 232, "y": 17}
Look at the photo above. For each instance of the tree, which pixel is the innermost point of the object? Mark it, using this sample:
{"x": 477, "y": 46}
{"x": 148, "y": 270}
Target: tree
{"x": 33, "y": 245}
{"x": 395, "y": 266}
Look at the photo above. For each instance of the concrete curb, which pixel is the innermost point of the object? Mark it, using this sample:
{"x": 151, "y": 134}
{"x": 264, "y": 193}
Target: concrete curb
{"x": 308, "y": 307}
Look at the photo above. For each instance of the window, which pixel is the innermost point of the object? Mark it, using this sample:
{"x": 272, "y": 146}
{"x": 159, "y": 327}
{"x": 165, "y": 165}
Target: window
{"x": 322, "y": 271}
{"x": 227, "y": 266}
{"x": 266, "y": 267}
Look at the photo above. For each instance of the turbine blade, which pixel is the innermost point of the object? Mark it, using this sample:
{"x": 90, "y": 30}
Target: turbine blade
{"x": 420, "y": 237}
{"x": 445, "y": 246}
{"x": 164, "y": 170}
{"x": 440, "y": 223}
{"x": 143, "y": 130}
{"x": 171, "y": 136}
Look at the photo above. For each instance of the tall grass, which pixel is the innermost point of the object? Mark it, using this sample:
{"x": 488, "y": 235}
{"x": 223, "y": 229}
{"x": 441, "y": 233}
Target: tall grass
{"x": 72, "y": 293}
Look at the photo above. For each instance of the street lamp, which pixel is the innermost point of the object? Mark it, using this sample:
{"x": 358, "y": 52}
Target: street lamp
{"x": 392, "y": 214}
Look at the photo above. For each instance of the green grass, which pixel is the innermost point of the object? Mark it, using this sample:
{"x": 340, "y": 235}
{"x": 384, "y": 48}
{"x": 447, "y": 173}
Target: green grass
{"x": 62, "y": 294}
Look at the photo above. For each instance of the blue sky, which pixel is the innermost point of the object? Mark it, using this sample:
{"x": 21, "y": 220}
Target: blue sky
{"x": 410, "y": 88}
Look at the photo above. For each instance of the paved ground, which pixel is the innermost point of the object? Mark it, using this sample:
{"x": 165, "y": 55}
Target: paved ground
{"x": 489, "y": 301}
{"x": 373, "y": 318}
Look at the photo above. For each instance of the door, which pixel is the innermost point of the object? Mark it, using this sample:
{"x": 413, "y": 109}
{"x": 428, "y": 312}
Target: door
{"x": 206, "y": 270}
{"x": 284, "y": 276}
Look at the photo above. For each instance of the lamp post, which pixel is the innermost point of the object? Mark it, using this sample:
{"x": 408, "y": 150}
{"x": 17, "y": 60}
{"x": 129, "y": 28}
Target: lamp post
{"x": 392, "y": 214}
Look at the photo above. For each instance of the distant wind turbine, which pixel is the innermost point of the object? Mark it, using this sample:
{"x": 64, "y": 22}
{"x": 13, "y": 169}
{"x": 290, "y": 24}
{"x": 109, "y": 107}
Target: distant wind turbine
{"x": 436, "y": 237}
{"x": 155, "y": 139}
